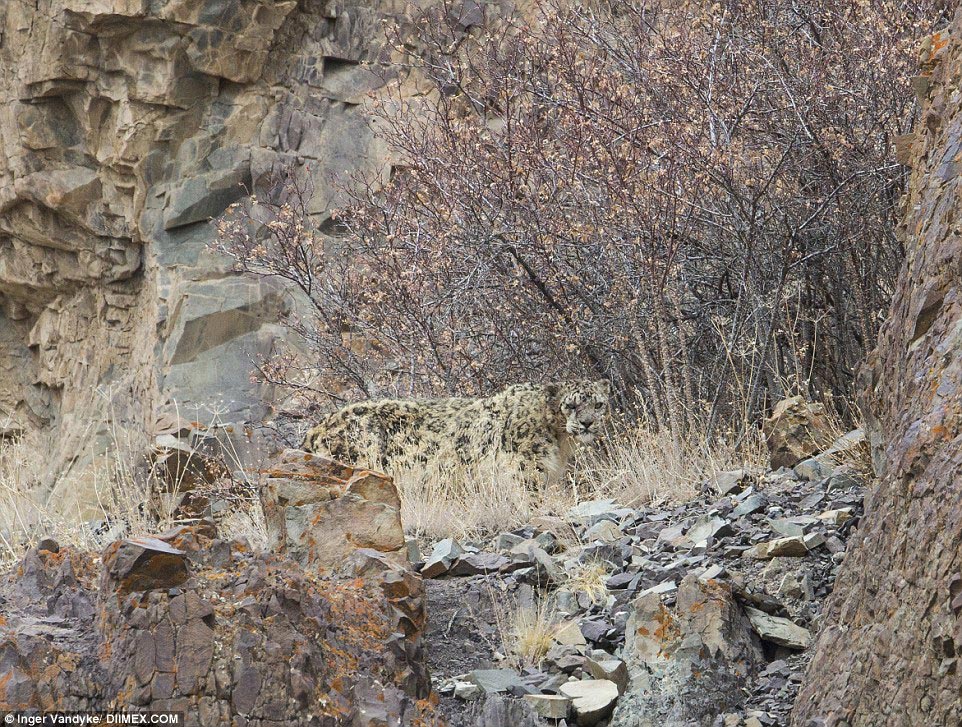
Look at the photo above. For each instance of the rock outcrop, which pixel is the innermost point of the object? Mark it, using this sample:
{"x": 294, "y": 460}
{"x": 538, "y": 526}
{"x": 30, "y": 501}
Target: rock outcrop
{"x": 190, "y": 623}
{"x": 320, "y": 511}
{"x": 796, "y": 429}
{"x": 688, "y": 662}
{"x": 890, "y": 652}
{"x": 125, "y": 126}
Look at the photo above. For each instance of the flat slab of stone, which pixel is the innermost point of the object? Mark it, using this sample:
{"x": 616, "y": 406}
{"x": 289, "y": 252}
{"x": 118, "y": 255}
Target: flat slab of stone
{"x": 779, "y": 630}
{"x": 751, "y": 504}
{"x": 569, "y": 634}
{"x": 708, "y": 527}
{"x": 592, "y": 699}
{"x": 661, "y": 588}
{"x": 712, "y": 572}
{"x": 474, "y": 564}
{"x": 494, "y": 681}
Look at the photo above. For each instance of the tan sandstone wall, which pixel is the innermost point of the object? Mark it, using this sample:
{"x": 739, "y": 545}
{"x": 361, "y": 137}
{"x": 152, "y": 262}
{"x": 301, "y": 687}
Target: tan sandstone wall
{"x": 891, "y": 653}
{"x": 125, "y": 125}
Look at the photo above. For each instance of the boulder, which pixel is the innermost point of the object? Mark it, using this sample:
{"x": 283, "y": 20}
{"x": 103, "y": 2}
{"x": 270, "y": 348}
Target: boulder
{"x": 797, "y": 429}
{"x": 591, "y": 699}
{"x": 793, "y": 546}
{"x": 687, "y": 665}
{"x": 791, "y": 527}
{"x": 143, "y": 564}
{"x": 609, "y": 668}
{"x": 320, "y": 511}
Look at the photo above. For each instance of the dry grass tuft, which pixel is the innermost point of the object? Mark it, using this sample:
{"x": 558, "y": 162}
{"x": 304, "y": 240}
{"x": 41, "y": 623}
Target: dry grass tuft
{"x": 590, "y": 578}
{"x": 128, "y": 494}
{"x": 245, "y": 521}
{"x": 637, "y": 466}
{"x": 532, "y": 633}
{"x": 641, "y": 465}
{"x": 858, "y": 455}
{"x": 27, "y": 513}
{"x": 471, "y": 503}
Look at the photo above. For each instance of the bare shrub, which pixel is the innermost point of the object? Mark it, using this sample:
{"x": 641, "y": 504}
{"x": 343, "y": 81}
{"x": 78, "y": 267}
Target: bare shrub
{"x": 695, "y": 200}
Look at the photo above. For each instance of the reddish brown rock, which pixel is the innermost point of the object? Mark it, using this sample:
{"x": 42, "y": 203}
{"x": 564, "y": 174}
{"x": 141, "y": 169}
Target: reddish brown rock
{"x": 142, "y": 564}
{"x": 890, "y": 649}
{"x": 247, "y": 639}
{"x": 796, "y": 429}
{"x": 321, "y": 511}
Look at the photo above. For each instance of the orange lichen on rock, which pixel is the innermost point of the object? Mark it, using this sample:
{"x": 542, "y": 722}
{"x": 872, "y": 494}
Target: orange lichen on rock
{"x": 336, "y": 647}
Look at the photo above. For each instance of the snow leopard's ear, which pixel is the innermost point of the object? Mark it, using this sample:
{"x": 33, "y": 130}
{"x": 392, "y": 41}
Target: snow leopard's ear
{"x": 554, "y": 393}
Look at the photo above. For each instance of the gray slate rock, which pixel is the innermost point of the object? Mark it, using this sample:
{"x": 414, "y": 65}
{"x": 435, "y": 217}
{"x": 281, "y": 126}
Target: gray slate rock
{"x": 777, "y": 630}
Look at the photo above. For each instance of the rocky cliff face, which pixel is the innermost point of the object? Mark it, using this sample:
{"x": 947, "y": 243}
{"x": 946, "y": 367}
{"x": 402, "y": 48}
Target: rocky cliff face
{"x": 890, "y": 652}
{"x": 125, "y": 126}
{"x": 318, "y": 632}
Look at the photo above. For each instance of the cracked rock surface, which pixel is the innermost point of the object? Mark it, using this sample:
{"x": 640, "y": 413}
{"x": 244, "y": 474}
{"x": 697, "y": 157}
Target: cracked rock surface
{"x": 890, "y": 651}
{"x": 125, "y": 126}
